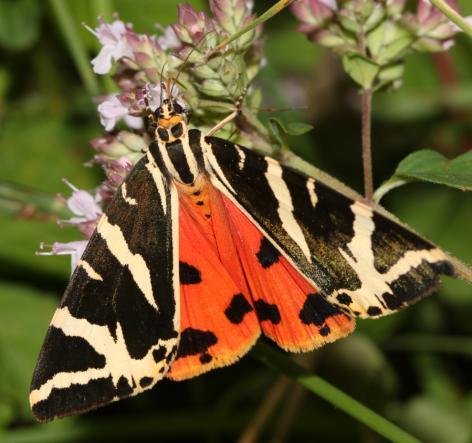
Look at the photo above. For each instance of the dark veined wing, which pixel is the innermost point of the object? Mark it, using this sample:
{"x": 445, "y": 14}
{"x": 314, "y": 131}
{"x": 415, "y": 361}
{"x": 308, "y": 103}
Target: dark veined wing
{"x": 364, "y": 262}
{"x": 115, "y": 333}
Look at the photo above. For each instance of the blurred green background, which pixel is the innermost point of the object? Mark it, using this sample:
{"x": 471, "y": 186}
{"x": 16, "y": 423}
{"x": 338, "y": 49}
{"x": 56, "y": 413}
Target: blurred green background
{"x": 413, "y": 367}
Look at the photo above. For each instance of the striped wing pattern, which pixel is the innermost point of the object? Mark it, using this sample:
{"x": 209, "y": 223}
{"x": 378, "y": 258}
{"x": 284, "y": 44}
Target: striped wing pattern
{"x": 115, "y": 333}
{"x": 359, "y": 260}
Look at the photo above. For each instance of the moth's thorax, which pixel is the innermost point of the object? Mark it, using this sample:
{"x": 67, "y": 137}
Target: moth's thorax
{"x": 176, "y": 154}
{"x": 171, "y": 129}
{"x": 171, "y": 121}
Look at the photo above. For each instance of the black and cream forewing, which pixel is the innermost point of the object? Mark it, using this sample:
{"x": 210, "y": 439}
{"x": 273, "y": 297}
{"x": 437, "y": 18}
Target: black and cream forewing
{"x": 359, "y": 259}
{"x": 115, "y": 333}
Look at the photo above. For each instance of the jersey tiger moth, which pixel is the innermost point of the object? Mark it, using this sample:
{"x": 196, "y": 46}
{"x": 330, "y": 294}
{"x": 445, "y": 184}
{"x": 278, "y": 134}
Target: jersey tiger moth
{"x": 205, "y": 245}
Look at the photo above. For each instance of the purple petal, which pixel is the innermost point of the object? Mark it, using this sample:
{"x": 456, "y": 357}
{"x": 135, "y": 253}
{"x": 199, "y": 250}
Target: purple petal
{"x": 83, "y": 204}
{"x": 169, "y": 39}
{"x": 74, "y": 248}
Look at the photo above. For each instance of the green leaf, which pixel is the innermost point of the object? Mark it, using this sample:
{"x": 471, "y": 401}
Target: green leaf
{"x": 281, "y": 130}
{"x": 361, "y": 70}
{"x": 278, "y": 132}
{"x": 431, "y": 166}
{"x": 296, "y": 128}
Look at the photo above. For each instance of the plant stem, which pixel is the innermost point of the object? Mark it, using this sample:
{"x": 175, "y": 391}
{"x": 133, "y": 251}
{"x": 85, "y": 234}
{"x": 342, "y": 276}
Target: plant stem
{"x": 453, "y": 15}
{"x": 75, "y": 44}
{"x": 278, "y": 361}
{"x": 367, "y": 143}
{"x": 26, "y": 202}
{"x": 276, "y": 393}
{"x": 276, "y": 8}
{"x": 387, "y": 186}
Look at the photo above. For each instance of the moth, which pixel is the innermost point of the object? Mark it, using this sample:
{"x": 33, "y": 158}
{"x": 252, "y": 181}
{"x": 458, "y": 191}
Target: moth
{"x": 205, "y": 246}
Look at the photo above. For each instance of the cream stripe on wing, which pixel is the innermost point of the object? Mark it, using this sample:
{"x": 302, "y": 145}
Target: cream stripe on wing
{"x": 361, "y": 258}
{"x": 174, "y": 208}
{"x": 212, "y": 163}
{"x": 89, "y": 270}
{"x": 189, "y": 155}
{"x": 412, "y": 259}
{"x": 118, "y": 362}
{"x": 131, "y": 201}
{"x": 158, "y": 180}
{"x": 242, "y": 157}
{"x": 285, "y": 205}
{"x": 117, "y": 245}
{"x": 310, "y": 185}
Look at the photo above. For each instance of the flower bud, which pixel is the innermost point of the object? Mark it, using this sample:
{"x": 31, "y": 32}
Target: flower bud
{"x": 193, "y": 24}
{"x": 213, "y": 88}
{"x": 230, "y": 14}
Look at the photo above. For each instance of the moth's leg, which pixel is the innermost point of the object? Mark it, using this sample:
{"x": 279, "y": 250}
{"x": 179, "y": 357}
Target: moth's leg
{"x": 231, "y": 116}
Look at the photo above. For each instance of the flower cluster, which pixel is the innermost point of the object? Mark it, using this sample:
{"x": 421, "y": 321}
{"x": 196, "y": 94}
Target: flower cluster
{"x": 86, "y": 210}
{"x": 207, "y": 80}
{"x": 373, "y": 36}
{"x": 211, "y": 84}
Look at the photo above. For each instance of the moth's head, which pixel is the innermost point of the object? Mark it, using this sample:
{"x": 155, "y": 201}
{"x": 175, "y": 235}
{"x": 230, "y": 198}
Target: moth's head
{"x": 171, "y": 119}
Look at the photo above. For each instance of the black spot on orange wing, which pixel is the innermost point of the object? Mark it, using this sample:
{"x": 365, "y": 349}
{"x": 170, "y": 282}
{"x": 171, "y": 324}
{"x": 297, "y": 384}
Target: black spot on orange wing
{"x": 205, "y": 358}
{"x": 267, "y": 311}
{"x": 237, "y": 309}
{"x": 189, "y": 275}
{"x": 195, "y": 341}
{"x": 267, "y": 254}
{"x": 316, "y": 310}
{"x": 325, "y": 330}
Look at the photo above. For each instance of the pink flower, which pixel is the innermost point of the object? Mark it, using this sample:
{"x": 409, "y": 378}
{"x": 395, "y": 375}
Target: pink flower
{"x": 434, "y": 30}
{"x": 123, "y": 143}
{"x": 112, "y": 110}
{"x": 169, "y": 39}
{"x": 230, "y": 13}
{"x": 74, "y": 248}
{"x": 86, "y": 209}
{"x": 115, "y": 169}
{"x": 313, "y": 13}
{"x": 192, "y": 25}
{"x": 113, "y": 38}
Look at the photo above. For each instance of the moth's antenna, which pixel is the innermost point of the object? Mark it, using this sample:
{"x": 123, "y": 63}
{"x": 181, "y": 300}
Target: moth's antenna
{"x": 184, "y": 63}
{"x": 169, "y": 88}
{"x": 160, "y": 81}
